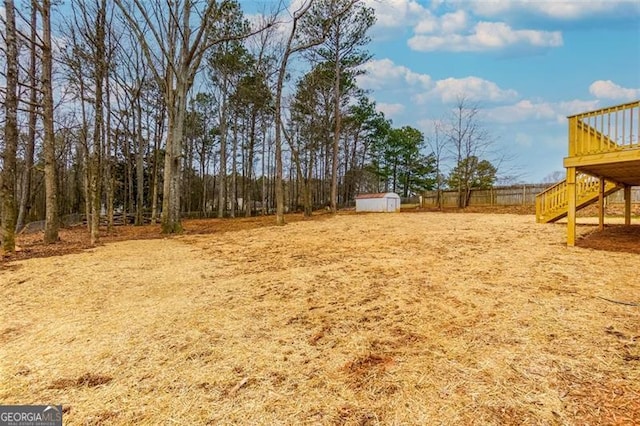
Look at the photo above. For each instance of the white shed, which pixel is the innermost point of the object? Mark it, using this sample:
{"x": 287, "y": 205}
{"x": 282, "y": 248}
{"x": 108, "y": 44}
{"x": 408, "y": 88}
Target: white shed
{"x": 381, "y": 202}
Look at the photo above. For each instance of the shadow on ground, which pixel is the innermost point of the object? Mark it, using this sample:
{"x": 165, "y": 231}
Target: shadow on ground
{"x": 616, "y": 238}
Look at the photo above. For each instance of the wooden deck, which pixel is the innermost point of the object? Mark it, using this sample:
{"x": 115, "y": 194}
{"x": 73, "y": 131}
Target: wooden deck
{"x": 604, "y": 157}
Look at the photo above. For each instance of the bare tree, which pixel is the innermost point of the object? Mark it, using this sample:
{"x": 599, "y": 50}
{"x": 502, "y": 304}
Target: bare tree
{"x": 255, "y": 91}
{"x": 27, "y": 172}
{"x": 438, "y": 144}
{"x": 291, "y": 48}
{"x": 467, "y": 140}
{"x": 315, "y": 33}
{"x": 174, "y": 37}
{"x": 88, "y": 59}
{"x": 227, "y": 61}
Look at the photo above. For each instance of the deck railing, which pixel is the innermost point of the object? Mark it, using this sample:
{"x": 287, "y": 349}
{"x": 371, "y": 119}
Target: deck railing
{"x": 553, "y": 202}
{"x": 605, "y": 130}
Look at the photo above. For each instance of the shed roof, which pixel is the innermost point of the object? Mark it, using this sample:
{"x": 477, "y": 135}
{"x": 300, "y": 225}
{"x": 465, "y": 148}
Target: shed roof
{"x": 376, "y": 195}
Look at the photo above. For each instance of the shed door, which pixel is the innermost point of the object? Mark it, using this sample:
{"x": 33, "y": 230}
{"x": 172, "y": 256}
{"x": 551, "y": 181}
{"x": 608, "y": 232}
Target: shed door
{"x": 391, "y": 205}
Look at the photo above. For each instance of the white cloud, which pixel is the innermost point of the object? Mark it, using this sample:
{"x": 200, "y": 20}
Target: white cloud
{"x": 486, "y": 36}
{"x": 446, "y": 24}
{"x": 384, "y": 75}
{"x": 607, "y": 89}
{"x": 384, "y": 72}
{"x": 397, "y": 13}
{"x": 470, "y": 25}
{"x": 522, "y": 111}
{"x": 556, "y": 9}
{"x": 453, "y": 22}
{"x": 472, "y": 88}
{"x": 390, "y": 110}
{"x": 526, "y": 110}
{"x": 459, "y": 29}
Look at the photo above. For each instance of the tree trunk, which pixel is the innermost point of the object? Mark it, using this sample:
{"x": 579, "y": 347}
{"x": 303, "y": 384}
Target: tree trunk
{"x": 95, "y": 161}
{"x": 308, "y": 202}
{"x": 336, "y": 131}
{"x": 203, "y": 173}
{"x": 8, "y": 178}
{"x": 171, "y": 223}
{"x": 222, "y": 189}
{"x": 106, "y": 157}
{"x": 249, "y": 174}
{"x": 278, "y": 151}
{"x": 27, "y": 174}
{"x": 264, "y": 176}
{"x": 395, "y": 175}
{"x": 187, "y": 174}
{"x": 156, "y": 159}
{"x": 234, "y": 166}
{"x": 84, "y": 158}
{"x": 128, "y": 147}
{"x": 52, "y": 221}
{"x": 297, "y": 161}
{"x": 139, "y": 166}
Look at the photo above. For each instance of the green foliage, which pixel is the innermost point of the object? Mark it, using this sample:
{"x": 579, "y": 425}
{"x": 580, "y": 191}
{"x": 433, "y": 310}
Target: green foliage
{"x": 228, "y": 61}
{"x": 343, "y": 24}
{"x": 252, "y": 93}
{"x": 369, "y": 124}
{"x": 227, "y": 57}
{"x": 314, "y": 93}
{"x": 471, "y": 173}
{"x": 311, "y": 107}
{"x": 229, "y": 23}
{"x": 420, "y": 175}
{"x": 399, "y": 162}
{"x": 346, "y": 34}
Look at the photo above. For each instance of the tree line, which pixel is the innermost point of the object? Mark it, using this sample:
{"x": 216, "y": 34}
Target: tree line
{"x": 156, "y": 109}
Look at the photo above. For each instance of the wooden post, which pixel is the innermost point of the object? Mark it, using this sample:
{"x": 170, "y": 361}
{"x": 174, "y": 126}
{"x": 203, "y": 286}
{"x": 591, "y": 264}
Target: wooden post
{"x": 571, "y": 209}
{"x": 627, "y": 205}
{"x": 573, "y": 125}
{"x": 601, "y": 205}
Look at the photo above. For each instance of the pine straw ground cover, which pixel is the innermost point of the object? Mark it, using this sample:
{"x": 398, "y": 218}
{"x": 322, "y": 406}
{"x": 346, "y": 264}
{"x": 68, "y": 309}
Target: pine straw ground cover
{"x": 423, "y": 318}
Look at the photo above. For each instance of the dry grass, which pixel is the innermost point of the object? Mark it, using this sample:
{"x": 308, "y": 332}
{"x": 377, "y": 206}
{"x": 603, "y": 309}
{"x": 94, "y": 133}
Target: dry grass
{"x": 424, "y": 318}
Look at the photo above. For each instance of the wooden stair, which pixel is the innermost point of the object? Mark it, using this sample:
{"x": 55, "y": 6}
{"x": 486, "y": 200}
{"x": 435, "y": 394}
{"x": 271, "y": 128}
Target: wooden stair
{"x": 552, "y": 204}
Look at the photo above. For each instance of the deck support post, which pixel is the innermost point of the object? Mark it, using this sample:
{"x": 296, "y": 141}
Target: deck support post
{"x": 601, "y": 205}
{"x": 571, "y": 210}
{"x": 627, "y": 205}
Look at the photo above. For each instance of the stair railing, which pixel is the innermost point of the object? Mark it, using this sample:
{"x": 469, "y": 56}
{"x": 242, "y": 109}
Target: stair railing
{"x": 550, "y": 200}
{"x": 553, "y": 201}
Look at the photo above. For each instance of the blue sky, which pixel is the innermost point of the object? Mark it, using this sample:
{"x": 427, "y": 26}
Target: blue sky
{"x": 526, "y": 64}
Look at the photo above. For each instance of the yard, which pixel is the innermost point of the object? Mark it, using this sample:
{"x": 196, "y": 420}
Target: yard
{"x": 411, "y": 318}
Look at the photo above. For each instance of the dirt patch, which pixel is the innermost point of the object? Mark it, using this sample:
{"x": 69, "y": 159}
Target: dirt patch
{"x": 87, "y": 379}
{"x": 616, "y": 238}
{"x": 423, "y": 318}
